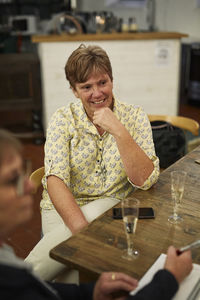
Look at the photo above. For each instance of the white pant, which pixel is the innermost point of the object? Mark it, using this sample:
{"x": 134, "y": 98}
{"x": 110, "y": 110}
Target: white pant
{"x": 50, "y": 220}
{"x": 56, "y": 232}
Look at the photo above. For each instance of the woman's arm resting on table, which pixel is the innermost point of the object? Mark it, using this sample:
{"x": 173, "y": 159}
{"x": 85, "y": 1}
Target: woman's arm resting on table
{"x": 137, "y": 164}
{"x": 65, "y": 204}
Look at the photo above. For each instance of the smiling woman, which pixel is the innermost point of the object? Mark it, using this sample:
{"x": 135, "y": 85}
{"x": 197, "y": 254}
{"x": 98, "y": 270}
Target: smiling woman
{"x": 91, "y": 78}
{"x": 96, "y": 148}
{"x": 95, "y": 93}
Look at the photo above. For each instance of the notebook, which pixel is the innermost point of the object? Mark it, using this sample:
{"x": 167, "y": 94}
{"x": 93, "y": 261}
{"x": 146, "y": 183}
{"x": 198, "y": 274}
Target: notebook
{"x": 189, "y": 289}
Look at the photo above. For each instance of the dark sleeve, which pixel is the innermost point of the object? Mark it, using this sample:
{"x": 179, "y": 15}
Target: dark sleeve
{"x": 74, "y": 291}
{"x": 163, "y": 286}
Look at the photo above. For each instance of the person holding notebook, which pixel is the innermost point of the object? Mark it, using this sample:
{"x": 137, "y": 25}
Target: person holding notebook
{"x": 18, "y": 281}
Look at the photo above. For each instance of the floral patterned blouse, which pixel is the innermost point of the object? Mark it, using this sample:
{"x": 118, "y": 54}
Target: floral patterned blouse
{"x": 90, "y": 164}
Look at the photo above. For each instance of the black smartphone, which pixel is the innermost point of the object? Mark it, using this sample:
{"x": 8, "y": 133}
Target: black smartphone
{"x": 117, "y": 213}
{"x": 144, "y": 213}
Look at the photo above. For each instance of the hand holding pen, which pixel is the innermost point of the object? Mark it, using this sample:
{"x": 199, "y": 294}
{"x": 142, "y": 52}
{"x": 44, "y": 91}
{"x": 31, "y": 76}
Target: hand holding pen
{"x": 179, "y": 261}
{"x": 179, "y": 265}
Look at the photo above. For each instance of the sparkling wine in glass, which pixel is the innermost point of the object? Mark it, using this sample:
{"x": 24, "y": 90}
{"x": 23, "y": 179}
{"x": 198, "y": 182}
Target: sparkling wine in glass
{"x": 130, "y": 210}
{"x": 177, "y": 190}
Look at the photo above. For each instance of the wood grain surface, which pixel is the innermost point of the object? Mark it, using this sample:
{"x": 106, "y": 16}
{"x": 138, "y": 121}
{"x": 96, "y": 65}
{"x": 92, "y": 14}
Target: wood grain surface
{"x": 98, "y": 247}
{"x": 64, "y": 37}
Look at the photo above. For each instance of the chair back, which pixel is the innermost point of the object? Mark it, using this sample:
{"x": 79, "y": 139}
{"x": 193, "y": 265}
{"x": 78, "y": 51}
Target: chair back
{"x": 178, "y": 121}
{"x": 36, "y": 178}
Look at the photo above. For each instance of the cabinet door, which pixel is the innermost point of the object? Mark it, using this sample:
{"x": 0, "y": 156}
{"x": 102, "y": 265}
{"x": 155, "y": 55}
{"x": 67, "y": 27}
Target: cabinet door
{"x": 19, "y": 82}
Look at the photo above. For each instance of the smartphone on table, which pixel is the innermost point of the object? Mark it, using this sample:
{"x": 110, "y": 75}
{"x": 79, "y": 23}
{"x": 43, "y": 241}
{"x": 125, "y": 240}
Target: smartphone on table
{"x": 144, "y": 213}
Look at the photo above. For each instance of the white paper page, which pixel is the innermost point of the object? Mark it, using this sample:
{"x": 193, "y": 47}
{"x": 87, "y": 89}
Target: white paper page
{"x": 185, "y": 287}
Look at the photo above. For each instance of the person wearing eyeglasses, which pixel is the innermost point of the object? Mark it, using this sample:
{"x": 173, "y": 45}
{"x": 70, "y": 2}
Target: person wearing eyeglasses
{"x": 18, "y": 281}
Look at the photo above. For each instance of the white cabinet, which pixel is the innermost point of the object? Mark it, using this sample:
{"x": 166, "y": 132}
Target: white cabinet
{"x": 146, "y": 72}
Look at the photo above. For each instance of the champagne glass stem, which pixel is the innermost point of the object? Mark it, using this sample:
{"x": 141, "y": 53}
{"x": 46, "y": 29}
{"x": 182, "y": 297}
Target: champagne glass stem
{"x": 130, "y": 246}
{"x": 175, "y": 209}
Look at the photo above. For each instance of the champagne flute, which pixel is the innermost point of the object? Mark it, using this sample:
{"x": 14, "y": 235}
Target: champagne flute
{"x": 177, "y": 189}
{"x": 130, "y": 211}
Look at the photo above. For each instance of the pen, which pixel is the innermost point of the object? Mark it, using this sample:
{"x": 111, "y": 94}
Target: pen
{"x": 193, "y": 245}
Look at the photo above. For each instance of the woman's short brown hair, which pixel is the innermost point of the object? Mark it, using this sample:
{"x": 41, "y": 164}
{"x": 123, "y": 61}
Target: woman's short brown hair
{"x": 85, "y": 60}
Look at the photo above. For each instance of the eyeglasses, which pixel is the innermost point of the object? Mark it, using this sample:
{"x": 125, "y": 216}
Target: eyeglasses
{"x": 17, "y": 178}
{"x": 27, "y": 166}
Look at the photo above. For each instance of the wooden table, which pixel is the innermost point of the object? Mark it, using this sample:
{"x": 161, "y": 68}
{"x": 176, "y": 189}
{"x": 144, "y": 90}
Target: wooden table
{"x": 99, "y": 246}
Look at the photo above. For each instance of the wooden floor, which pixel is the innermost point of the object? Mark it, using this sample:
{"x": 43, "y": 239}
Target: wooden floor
{"x": 190, "y": 110}
{"x": 24, "y": 239}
